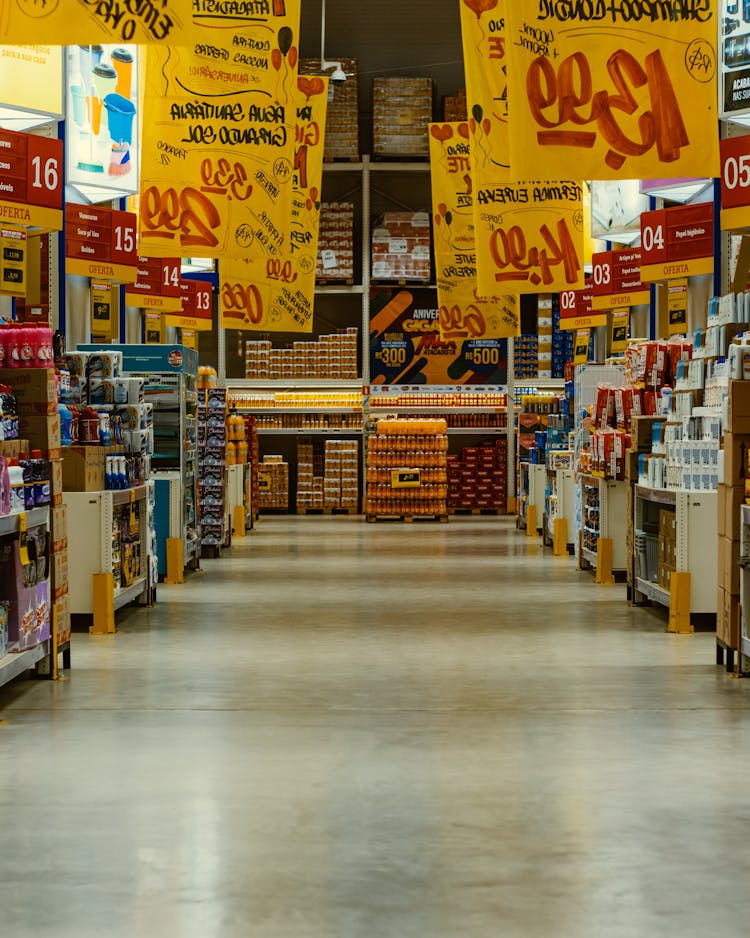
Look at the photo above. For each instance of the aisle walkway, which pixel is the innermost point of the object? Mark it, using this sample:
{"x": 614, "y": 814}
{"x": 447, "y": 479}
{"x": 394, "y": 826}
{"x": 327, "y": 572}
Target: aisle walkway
{"x": 345, "y": 730}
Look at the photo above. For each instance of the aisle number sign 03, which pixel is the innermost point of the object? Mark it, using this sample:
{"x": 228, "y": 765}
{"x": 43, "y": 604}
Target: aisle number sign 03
{"x": 157, "y": 285}
{"x": 576, "y": 311}
{"x": 620, "y": 330}
{"x": 101, "y": 311}
{"x": 735, "y": 183}
{"x": 13, "y": 261}
{"x": 278, "y": 293}
{"x": 31, "y": 183}
{"x": 618, "y": 94}
{"x": 219, "y": 136}
{"x": 582, "y": 344}
{"x": 617, "y": 279}
{"x": 463, "y": 313}
{"x": 67, "y": 22}
{"x": 677, "y": 303}
{"x": 100, "y": 243}
{"x": 677, "y": 242}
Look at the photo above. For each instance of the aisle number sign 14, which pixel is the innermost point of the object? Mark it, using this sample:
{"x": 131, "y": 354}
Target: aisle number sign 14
{"x": 677, "y": 242}
{"x": 31, "y": 184}
{"x": 735, "y": 183}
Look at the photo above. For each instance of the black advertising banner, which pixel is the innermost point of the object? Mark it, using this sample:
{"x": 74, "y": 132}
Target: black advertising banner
{"x": 406, "y": 346}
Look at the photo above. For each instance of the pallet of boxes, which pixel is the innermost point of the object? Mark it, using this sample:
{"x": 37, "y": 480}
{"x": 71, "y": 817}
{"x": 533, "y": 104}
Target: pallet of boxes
{"x": 732, "y": 494}
{"x": 273, "y": 484}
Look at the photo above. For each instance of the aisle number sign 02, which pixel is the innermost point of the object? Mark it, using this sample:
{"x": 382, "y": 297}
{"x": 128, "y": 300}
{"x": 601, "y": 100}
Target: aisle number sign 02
{"x": 620, "y": 330}
{"x": 735, "y": 183}
{"x": 219, "y": 136}
{"x": 576, "y": 311}
{"x": 677, "y": 303}
{"x": 31, "y": 183}
{"x": 619, "y": 94}
{"x": 677, "y": 242}
{"x": 617, "y": 279}
{"x": 583, "y": 341}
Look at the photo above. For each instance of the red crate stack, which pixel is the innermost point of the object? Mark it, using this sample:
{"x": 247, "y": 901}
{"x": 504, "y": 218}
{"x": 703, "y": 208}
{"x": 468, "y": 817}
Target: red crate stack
{"x": 477, "y": 478}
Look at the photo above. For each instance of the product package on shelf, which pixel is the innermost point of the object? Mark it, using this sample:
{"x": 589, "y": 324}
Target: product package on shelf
{"x": 273, "y": 484}
{"x": 331, "y": 356}
{"x": 328, "y": 476}
{"x": 253, "y": 457}
{"x": 455, "y": 107}
{"x": 336, "y": 243}
{"x": 212, "y": 461}
{"x": 402, "y": 111}
{"x": 342, "y": 120}
{"x": 25, "y": 599}
{"x": 477, "y": 478}
{"x": 401, "y": 245}
{"x": 407, "y": 471}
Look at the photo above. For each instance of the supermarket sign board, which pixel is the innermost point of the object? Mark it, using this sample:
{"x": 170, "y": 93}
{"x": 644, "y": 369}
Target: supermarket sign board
{"x": 196, "y": 313}
{"x": 677, "y": 242}
{"x": 100, "y": 243}
{"x": 617, "y": 280}
{"x": 576, "y": 309}
{"x": 31, "y": 183}
{"x": 735, "y": 183}
{"x": 157, "y": 285}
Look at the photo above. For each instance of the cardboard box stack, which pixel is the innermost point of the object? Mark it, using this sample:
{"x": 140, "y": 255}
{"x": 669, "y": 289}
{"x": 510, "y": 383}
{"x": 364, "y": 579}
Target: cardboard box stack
{"x": 336, "y": 242}
{"x": 310, "y": 483}
{"x": 401, "y": 247}
{"x": 273, "y": 483}
{"x": 477, "y": 477}
{"x": 402, "y": 111}
{"x": 667, "y": 548}
{"x": 419, "y": 448}
{"x": 527, "y": 356}
{"x": 455, "y": 108}
{"x": 342, "y": 475}
{"x": 332, "y": 356}
{"x": 342, "y": 122}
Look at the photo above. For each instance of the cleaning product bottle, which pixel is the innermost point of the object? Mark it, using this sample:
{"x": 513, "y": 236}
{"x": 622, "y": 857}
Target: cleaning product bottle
{"x": 108, "y": 473}
{"x": 15, "y": 476}
{"x": 28, "y": 481}
{"x": 66, "y": 421}
{"x": 40, "y": 474}
{"x": 4, "y": 487}
{"x": 58, "y": 349}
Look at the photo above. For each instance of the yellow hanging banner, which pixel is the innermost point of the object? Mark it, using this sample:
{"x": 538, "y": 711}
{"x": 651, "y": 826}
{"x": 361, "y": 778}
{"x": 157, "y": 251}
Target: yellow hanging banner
{"x": 620, "y": 330}
{"x": 620, "y": 89}
{"x": 583, "y": 340}
{"x": 463, "y": 314}
{"x": 219, "y": 136}
{"x": 69, "y": 22}
{"x": 278, "y": 294}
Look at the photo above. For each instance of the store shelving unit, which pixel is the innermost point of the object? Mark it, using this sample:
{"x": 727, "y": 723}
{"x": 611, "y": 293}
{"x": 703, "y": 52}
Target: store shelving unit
{"x": 560, "y": 498}
{"x": 604, "y": 516}
{"x": 95, "y": 555}
{"x": 696, "y": 519}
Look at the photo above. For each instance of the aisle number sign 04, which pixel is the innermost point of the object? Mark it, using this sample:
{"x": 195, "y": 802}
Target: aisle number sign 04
{"x": 576, "y": 311}
{"x": 735, "y": 183}
{"x": 13, "y": 261}
{"x": 677, "y": 302}
{"x": 614, "y": 89}
{"x": 617, "y": 279}
{"x": 31, "y": 183}
{"x": 677, "y": 242}
{"x": 583, "y": 341}
{"x": 100, "y": 243}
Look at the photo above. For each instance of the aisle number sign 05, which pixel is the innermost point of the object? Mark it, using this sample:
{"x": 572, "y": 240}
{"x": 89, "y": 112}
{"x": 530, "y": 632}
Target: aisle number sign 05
{"x": 31, "y": 184}
{"x": 735, "y": 183}
{"x": 619, "y": 94}
{"x": 677, "y": 242}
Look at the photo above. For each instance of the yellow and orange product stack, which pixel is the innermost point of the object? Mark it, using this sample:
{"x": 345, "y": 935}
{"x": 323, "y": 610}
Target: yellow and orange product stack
{"x": 342, "y": 121}
{"x": 402, "y": 112}
{"x": 407, "y": 472}
{"x": 336, "y": 243}
{"x": 273, "y": 484}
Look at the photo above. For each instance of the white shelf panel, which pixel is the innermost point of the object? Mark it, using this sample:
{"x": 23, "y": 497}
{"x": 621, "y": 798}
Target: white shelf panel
{"x": 343, "y": 167}
{"x": 294, "y": 384}
{"x": 13, "y": 666}
{"x": 127, "y": 594}
{"x": 380, "y": 411}
{"x": 397, "y": 167}
{"x": 652, "y": 591}
{"x": 35, "y": 517}
{"x": 310, "y": 431}
{"x": 280, "y": 411}
{"x": 122, "y": 496}
{"x": 477, "y": 431}
{"x": 551, "y": 383}
{"x": 589, "y": 556}
{"x": 340, "y": 288}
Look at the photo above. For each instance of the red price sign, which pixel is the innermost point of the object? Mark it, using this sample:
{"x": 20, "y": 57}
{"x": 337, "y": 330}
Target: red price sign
{"x": 602, "y": 265}
{"x": 576, "y": 310}
{"x": 31, "y": 176}
{"x": 100, "y": 242}
{"x": 196, "y": 297}
{"x": 677, "y": 242}
{"x": 617, "y": 279}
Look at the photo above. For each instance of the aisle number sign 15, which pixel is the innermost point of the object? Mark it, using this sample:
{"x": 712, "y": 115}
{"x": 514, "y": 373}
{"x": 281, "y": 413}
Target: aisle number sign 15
{"x": 735, "y": 183}
{"x": 31, "y": 184}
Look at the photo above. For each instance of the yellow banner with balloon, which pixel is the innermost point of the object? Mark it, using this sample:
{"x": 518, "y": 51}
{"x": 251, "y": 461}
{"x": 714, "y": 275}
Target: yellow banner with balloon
{"x": 463, "y": 314}
{"x": 278, "y": 294}
{"x": 618, "y": 89}
{"x": 219, "y": 138}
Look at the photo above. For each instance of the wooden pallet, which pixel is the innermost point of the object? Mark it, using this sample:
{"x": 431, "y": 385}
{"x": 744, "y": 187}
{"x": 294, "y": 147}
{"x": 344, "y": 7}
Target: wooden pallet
{"x": 342, "y": 159}
{"x": 334, "y": 282}
{"x": 328, "y": 511}
{"x": 407, "y": 519}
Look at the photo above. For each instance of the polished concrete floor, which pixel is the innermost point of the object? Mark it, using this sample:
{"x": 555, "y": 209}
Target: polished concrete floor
{"x": 343, "y": 730}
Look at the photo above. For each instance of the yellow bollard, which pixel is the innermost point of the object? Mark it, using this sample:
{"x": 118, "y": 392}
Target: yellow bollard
{"x": 238, "y": 521}
{"x": 104, "y": 605}
{"x": 175, "y": 565}
{"x": 560, "y": 537}
{"x": 679, "y": 604}
{"x": 531, "y": 521}
{"x": 604, "y": 573}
